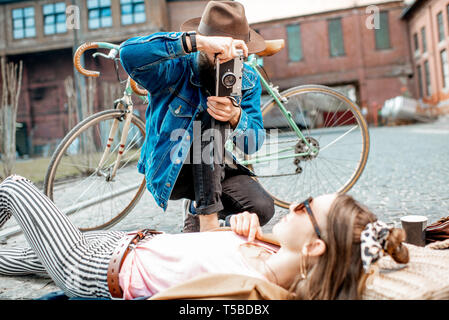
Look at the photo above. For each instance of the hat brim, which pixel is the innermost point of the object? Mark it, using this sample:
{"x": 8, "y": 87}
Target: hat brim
{"x": 255, "y": 44}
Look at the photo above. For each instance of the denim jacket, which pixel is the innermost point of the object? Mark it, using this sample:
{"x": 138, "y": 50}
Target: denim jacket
{"x": 159, "y": 64}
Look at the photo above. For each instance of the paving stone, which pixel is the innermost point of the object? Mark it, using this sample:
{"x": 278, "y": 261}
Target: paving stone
{"x": 407, "y": 173}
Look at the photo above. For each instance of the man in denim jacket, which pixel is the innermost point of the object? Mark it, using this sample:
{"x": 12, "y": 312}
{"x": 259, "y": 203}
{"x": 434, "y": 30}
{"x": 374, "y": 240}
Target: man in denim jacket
{"x": 177, "y": 69}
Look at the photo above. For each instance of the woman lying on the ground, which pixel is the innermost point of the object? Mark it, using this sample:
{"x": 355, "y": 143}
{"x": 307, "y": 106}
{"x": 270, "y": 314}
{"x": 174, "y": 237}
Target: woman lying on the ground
{"x": 326, "y": 247}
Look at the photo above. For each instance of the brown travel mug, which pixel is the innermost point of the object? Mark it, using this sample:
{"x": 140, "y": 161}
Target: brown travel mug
{"x": 414, "y": 227}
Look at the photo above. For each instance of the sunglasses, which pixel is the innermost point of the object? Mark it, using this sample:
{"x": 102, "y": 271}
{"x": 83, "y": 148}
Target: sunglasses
{"x": 306, "y": 205}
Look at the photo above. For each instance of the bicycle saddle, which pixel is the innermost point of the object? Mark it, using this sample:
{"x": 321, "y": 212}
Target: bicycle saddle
{"x": 272, "y": 47}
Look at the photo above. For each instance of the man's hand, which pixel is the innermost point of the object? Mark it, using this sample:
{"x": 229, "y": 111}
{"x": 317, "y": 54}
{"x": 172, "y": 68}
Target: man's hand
{"x": 246, "y": 224}
{"x": 225, "y": 47}
{"x": 222, "y": 109}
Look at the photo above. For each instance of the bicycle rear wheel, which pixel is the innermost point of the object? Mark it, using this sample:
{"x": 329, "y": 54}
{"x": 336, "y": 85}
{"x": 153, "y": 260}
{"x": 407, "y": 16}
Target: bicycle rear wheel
{"x": 333, "y": 124}
{"x": 91, "y": 200}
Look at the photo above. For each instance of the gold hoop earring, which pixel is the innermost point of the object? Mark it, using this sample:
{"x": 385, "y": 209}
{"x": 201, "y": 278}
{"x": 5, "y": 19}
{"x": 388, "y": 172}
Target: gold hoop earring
{"x": 303, "y": 266}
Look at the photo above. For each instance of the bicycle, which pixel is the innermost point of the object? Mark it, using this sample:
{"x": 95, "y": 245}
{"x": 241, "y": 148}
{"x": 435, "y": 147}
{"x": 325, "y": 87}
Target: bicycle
{"x": 322, "y": 120}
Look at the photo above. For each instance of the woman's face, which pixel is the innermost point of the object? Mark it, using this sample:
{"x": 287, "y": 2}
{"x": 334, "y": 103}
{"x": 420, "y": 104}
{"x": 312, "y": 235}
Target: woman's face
{"x": 295, "y": 229}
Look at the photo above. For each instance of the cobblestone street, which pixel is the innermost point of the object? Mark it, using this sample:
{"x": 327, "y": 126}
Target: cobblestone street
{"x": 406, "y": 173}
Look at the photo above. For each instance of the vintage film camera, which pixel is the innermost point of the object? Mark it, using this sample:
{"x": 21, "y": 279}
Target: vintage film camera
{"x": 228, "y": 79}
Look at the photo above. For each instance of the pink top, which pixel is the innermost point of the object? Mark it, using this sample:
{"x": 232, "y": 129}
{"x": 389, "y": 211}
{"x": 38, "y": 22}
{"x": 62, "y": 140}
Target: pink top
{"x": 170, "y": 259}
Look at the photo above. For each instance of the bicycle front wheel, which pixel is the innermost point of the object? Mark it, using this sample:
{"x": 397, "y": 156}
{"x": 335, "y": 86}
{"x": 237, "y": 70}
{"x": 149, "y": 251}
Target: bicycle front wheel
{"x": 331, "y": 123}
{"x": 80, "y": 188}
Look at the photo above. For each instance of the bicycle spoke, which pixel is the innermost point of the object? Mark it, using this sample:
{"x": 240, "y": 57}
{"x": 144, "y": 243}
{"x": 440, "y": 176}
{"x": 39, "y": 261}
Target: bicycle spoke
{"x": 92, "y": 200}
{"x": 333, "y": 175}
{"x": 83, "y": 193}
{"x": 329, "y": 122}
{"x": 338, "y": 138}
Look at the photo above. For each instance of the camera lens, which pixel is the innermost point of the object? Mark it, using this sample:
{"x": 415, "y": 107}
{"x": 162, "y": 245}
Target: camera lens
{"x": 228, "y": 79}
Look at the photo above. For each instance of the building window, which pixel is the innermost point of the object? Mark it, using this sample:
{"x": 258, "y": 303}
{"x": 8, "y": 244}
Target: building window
{"x": 440, "y": 25}
{"x": 294, "y": 42}
{"x": 427, "y": 74}
{"x": 444, "y": 68}
{"x": 382, "y": 34}
{"x": 423, "y": 39}
{"x": 420, "y": 84}
{"x": 447, "y": 10}
{"x": 54, "y": 18}
{"x": 336, "y": 44}
{"x": 416, "y": 43}
{"x": 23, "y": 25}
{"x": 99, "y": 12}
{"x": 133, "y": 11}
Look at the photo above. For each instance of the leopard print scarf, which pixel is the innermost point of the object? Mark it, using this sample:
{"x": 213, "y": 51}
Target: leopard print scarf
{"x": 373, "y": 243}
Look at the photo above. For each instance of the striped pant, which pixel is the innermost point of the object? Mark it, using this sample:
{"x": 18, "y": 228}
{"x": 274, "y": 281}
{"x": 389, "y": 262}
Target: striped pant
{"x": 77, "y": 262}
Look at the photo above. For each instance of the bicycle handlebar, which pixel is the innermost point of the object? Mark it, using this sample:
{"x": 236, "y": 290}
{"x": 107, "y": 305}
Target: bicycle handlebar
{"x": 77, "y": 59}
{"x": 88, "y": 73}
{"x": 136, "y": 89}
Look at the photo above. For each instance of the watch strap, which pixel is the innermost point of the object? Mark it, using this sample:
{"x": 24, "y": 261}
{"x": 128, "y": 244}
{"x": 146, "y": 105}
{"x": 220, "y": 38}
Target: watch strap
{"x": 184, "y": 43}
{"x": 192, "y": 35}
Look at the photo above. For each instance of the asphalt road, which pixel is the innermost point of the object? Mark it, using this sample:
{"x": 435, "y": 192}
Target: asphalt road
{"x": 407, "y": 173}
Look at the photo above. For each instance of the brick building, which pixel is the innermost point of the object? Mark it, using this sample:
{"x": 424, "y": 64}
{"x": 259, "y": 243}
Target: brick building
{"x": 36, "y": 32}
{"x": 428, "y": 24}
{"x": 337, "y": 47}
{"x": 327, "y": 42}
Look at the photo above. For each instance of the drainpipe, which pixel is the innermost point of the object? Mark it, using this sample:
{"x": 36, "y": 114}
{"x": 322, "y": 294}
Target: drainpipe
{"x": 79, "y": 80}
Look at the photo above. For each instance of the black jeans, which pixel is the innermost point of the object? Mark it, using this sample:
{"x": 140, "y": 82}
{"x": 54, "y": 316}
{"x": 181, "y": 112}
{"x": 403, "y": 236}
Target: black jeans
{"x": 216, "y": 186}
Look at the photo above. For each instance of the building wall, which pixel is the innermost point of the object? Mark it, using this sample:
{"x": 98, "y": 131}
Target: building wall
{"x": 47, "y": 61}
{"x": 378, "y": 75}
{"x": 156, "y": 19}
{"x": 43, "y": 104}
{"x": 180, "y": 11}
{"x": 425, "y": 15}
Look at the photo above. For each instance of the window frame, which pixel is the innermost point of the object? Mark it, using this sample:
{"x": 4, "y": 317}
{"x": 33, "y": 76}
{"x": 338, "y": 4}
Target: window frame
{"x": 23, "y": 18}
{"x": 385, "y": 29}
{"x": 341, "y": 53}
{"x": 297, "y": 32}
{"x": 440, "y": 27}
{"x": 420, "y": 81}
{"x": 447, "y": 14}
{"x": 100, "y": 9}
{"x": 55, "y": 14}
{"x": 416, "y": 43}
{"x": 134, "y": 4}
{"x": 423, "y": 39}
{"x": 427, "y": 79}
{"x": 444, "y": 68}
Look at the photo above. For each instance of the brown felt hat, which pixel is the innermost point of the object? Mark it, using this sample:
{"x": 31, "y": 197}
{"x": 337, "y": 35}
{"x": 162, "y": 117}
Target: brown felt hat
{"x": 226, "y": 19}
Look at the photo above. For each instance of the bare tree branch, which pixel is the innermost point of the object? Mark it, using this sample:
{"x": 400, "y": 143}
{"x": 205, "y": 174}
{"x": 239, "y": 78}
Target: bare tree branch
{"x": 11, "y": 74}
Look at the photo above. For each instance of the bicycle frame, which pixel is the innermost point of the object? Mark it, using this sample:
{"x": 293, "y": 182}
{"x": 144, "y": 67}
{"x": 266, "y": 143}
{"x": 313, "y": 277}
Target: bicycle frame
{"x": 126, "y": 103}
{"x": 274, "y": 93}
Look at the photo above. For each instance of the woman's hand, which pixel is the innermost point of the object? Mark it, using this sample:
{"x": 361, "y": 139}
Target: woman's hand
{"x": 222, "y": 109}
{"x": 246, "y": 224}
{"x": 225, "y": 47}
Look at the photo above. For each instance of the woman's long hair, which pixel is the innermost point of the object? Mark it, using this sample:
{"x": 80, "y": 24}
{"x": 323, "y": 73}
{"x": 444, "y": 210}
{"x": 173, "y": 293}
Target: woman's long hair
{"x": 338, "y": 273}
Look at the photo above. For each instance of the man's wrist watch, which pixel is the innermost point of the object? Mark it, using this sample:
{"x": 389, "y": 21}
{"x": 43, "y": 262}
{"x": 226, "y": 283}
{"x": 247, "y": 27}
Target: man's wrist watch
{"x": 184, "y": 43}
{"x": 192, "y": 36}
